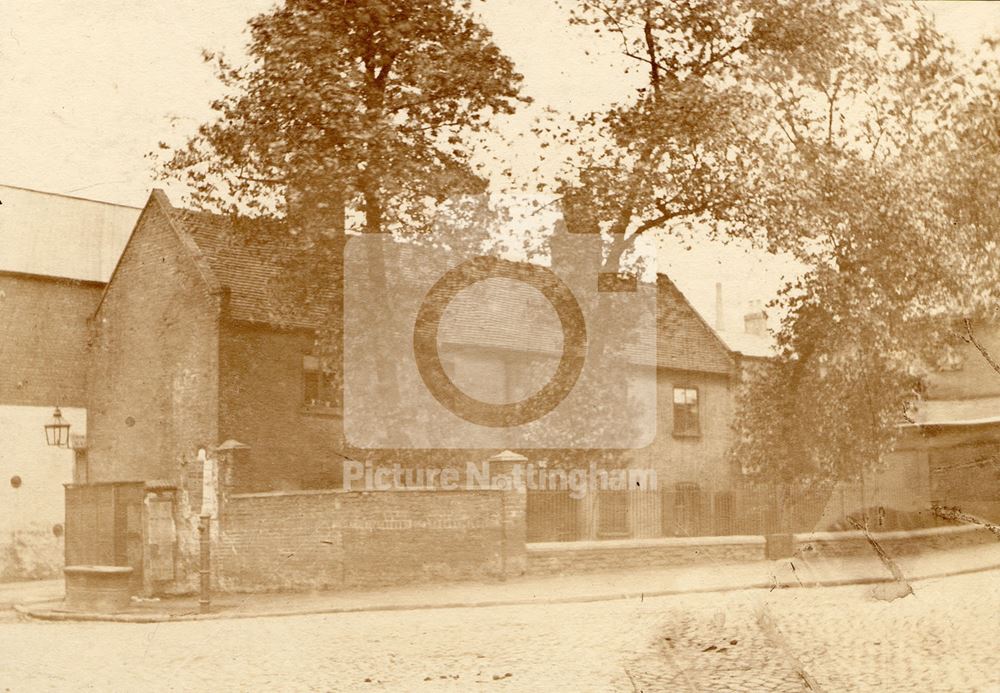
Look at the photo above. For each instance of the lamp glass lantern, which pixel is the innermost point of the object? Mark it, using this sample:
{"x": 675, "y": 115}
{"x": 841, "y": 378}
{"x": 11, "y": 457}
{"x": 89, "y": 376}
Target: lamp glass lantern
{"x": 57, "y": 430}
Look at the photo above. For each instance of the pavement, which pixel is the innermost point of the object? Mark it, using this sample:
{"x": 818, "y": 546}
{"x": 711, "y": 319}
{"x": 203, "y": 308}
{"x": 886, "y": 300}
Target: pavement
{"x": 942, "y": 637}
{"x": 796, "y": 572}
{"x": 30, "y": 592}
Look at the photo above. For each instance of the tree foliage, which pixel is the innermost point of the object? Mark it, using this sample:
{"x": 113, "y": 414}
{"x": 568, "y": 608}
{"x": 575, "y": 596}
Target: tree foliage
{"x": 367, "y": 106}
{"x": 844, "y": 133}
{"x": 821, "y": 130}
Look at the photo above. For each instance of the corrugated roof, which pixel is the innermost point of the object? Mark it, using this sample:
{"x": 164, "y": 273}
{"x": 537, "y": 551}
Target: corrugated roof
{"x": 956, "y": 412}
{"x": 61, "y": 236}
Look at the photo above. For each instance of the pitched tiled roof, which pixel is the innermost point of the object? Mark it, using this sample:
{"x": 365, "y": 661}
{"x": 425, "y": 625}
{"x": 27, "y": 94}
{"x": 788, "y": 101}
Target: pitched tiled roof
{"x": 685, "y": 341}
{"x": 249, "y": 266}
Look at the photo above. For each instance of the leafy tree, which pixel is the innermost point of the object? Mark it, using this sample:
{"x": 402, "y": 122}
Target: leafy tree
{"x": 839, "y": 133}
{"x": 364, "y": 105}
{"x": 349, "y": 116}
{"x": 897, "y": 237}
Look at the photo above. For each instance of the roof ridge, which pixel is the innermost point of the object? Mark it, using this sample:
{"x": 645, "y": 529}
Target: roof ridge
{"x": 701, "y": 319}
{"x": 67, "y": 196}
{"x": 159, "y": 200}
{"x": 197, "y": 254}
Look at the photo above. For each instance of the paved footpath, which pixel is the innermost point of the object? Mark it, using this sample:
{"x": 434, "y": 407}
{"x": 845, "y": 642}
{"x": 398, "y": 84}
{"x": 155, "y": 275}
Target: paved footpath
{"x": 942, "y": 637}
{"x": 30, "y": 592}
{"x": 710, "y": 577}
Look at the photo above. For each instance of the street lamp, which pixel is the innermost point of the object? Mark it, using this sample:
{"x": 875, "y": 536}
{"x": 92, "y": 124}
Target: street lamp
{"x": 57, "y": 430}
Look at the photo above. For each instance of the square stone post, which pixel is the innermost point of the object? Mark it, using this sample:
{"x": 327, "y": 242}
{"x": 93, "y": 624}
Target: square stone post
{"x": 507, "y": 474}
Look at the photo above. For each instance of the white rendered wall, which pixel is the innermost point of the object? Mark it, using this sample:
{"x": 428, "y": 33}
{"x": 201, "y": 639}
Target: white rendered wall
{"x": 43, "y": 470}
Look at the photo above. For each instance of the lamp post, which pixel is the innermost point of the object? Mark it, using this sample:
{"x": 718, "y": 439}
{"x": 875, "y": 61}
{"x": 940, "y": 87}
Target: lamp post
{"x": 57, "y": 430}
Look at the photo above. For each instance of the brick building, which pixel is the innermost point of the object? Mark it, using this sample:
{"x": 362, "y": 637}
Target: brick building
{"x": 56, "y": 252}
{"x": 187, "y": 351}
{"x": 189, "y": 347}
{"x": 950, "y": 453}
{"x": 186, "y": 346}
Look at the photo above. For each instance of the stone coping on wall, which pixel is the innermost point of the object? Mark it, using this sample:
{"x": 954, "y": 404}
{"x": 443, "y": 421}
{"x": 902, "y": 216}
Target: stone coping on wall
{"x": 656, "y": 542}
{"x": 747, "y": 540}
{"x": 855, "y": 534}
{"x": 617, "y": 554}
{"x": 355, "y": 492}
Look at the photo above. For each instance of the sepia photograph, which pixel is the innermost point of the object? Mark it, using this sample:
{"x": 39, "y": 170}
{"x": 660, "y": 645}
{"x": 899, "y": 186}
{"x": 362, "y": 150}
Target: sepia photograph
{"x": 500, "y": 345}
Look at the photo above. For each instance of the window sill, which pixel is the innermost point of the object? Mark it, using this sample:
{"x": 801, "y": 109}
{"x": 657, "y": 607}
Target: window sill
{"x": 687, "y": 434}
{"x": 320, "y": 410}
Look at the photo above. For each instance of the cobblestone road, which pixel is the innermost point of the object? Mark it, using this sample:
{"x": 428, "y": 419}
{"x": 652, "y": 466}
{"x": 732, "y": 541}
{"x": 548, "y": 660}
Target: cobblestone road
{"x": 944, "y": 637}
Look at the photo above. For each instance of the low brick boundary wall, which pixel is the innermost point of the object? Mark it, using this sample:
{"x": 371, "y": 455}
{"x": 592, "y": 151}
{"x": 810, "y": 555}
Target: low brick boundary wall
{"x": 304, "y": 540}
{"x": 854, "y": 542}
{"x": 589, "y": 556}
{"x": 332, "y": 539}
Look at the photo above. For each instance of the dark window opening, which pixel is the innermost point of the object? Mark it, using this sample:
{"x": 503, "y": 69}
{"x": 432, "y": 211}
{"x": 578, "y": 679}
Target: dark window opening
{"x": 686, "y": 421}
{"x": 319, "y": 386}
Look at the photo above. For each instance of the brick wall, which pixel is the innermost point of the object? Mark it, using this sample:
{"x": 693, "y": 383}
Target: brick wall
{"x": 578, "y": 557}
{"x": 43, "y": 363}
{"x": 697, "y": 458}
{"x": 34, "y": 552}
{"x": 335, "y": 539}
{"x": 261, "y": 395}
{"x": 154, "y": 363}
{"x": 43, "y": 341}
{"x": 855, "y": 543}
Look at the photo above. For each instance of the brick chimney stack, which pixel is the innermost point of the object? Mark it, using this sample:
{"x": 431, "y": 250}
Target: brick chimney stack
{"x": 755, "y": 322}
{"x": 576, "y": 244}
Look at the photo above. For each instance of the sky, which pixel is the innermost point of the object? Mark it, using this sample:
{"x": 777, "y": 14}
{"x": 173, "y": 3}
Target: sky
{"x": 89, "y": 89}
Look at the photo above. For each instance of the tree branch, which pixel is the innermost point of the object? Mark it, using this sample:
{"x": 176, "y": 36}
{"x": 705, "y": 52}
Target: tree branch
{"x": 971, "y": 339}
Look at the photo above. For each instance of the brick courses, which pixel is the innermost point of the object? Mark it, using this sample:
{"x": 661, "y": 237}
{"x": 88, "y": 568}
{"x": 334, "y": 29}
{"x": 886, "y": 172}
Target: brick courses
{"x": 335, "y": 539}
{"x": 154, "y": 361}
{"x": 576, "y": 557}
{"x": 43, "y": 340}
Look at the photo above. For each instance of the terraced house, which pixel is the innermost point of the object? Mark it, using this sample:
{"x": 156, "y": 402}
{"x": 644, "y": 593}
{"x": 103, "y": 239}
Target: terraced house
{"x": 194, "y": 367}
{"x": 190, "y": 350}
